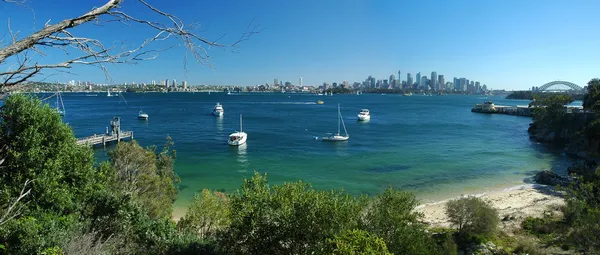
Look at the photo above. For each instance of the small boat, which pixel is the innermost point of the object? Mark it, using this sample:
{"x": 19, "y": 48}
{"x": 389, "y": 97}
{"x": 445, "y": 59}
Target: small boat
{"x": 337, "y": 136}
{"x": 108, "y": 94}
{"x": 407, "y": 94}
{"x": 142, "y": 115}
{"x": 218, "y": 110}
{"x": 364, "y": 115}
{"x": 320, "y": 94}
{"x": 60, "y": 108}
{"x": 238, "y": 138}
{"x": 320, "y": 102}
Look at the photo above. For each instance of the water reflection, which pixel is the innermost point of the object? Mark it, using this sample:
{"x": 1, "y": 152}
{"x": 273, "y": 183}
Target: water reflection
{"x": 341, "y": 148}
{"x": 219, "y": 123}
{"x": 240, "y": 154}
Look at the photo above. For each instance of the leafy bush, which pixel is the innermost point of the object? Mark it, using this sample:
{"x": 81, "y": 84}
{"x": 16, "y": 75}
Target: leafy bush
{"x": 208, "y": 213}
{"x": 357, "y": 242}
{"x": 292, "y": 218}
{"x": 472, "y": 216}
{"x": 391, "y": 216}
{"x": 527, "y": 247}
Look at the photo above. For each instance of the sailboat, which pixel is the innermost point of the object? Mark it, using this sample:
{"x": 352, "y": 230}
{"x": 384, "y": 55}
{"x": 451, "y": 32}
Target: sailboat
{"x": 60, "y": 108}
{"x": 338, "y": 136}
{"x": 108, "y": 93}
{"x": 238, "y": 138}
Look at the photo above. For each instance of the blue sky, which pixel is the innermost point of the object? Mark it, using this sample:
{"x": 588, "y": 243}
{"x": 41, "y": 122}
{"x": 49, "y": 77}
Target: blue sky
{"x": 512, "y": 44}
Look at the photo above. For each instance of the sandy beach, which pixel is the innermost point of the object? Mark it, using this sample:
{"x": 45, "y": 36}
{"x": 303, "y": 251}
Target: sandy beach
{"x": 518, "y": 202}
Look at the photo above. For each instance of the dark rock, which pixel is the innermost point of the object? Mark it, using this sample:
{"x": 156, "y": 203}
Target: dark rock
{"x": 547, "y": 177}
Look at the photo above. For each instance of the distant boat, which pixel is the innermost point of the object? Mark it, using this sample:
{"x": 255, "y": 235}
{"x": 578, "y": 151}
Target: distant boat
{"x": 108, "y": 94}
{"x": 142, "y": 115}
{"x": 338, "y": 136}
{"x": 364, "y": 115}
{"x": 218, "y": 110}
{"x": 238, "y": 138}
{"x": 407, "y": 94}
{"x": 320, "y": 102}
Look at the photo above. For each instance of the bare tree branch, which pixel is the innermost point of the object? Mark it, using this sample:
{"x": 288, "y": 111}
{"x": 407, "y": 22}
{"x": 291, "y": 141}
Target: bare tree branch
{"x": 92, "y": 51}
{"x": 14, "y": 209}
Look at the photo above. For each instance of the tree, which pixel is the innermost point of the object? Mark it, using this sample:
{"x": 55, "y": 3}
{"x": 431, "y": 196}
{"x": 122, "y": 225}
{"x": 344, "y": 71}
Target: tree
{"x": 590, "y": 100}
{"x": 472, "y": 216}
{"x": 291, "y": 218}
{"x": 207, "y": 214}
{"x": 357, "y": 242}
{"x": 391, "y": 216}
{"x": 61, "y": 38}
{"x": 583, "y": 211}
{"x": 146, "y": 177}
{"x": 40, "y": 147}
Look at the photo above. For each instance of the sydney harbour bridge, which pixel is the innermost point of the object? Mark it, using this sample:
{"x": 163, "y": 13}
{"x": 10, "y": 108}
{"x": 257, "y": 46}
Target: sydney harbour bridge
{"x": 560, "y": 86}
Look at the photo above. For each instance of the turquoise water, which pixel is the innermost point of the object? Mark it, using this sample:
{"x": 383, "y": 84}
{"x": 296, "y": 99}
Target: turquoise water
{"x": 433, "y": 146}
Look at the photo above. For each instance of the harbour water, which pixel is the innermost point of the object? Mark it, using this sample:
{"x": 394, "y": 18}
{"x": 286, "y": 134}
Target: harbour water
{"x": 431, "y": 145}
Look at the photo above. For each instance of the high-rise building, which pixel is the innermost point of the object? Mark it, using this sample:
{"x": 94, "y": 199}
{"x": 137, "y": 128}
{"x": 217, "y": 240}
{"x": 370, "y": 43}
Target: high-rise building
{"x": 334, "y": 84}
{"x": 345, "y": 85}
{"x": 418, "y": 77}
{"x": 276, "y": 82}
{"x": 456, "y": 83}
{"x": 409, "y": 81}
{"x": 392, "y": 80}
{"x": 166, "y": 83}
{"x": 300, "y": 82}
{"x": 424, "y": 83}
{"x": 153, "y": 82}
{"x": 174, "y": 83}
{"x": 477, "y": 86}
{"x": 463, "y": 84}
{"x": 434, "y": 81}
{"x": 399, "y": 78}
{"x": 184, "y": 84}
{"x": 442, "y": 82}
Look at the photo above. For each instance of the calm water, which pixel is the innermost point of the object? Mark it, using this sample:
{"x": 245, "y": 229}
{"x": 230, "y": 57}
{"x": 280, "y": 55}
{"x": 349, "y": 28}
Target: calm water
{"x": 433, "y": 146}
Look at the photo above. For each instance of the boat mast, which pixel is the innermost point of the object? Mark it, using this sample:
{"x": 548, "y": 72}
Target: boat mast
{"x": 338, "y": 119}
{"x": 240, "y": 123}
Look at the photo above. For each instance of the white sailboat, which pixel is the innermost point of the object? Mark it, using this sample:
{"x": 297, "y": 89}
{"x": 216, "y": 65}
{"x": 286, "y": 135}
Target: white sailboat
{"x": 238, "y": 138}
{"x": 60, "y": 108}
{"x": 338, "y": 136}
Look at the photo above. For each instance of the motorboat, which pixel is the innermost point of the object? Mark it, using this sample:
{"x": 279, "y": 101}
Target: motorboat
{"x": 142, "y": 115}
{"x": 320, "y": 102}
{"x": 238, "y": 138}
{"x": 218, "y": 110}
{"x": 364, "y": 115}
{"x": 338, "y": 136}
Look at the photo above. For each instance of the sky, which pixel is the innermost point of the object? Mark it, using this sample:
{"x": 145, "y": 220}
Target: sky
{"x": 505, "y": 44}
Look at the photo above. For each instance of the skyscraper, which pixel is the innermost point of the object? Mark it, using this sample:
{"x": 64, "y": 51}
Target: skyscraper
{"x": 463, "y": 84}
{"x": 275, "y": 82}
{"x": 166, "y": 83}
{"x": 419, "y": 79}
{"x": 409, "y": 81}
{"x": 442, "y": 82}
{"x": 393, "y": 80}
{"x": 300, "y": 82}
{"x": 174, "y": 83}
{"x": 424, "y": 83}
{"x": 456, "y": 84}
{"x": 434, "y": 81}
{"x": 399, "y": 78}
{"x": 184, "y": 84}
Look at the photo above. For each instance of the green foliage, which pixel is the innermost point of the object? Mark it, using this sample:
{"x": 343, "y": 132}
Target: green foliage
{"x": 583, "y": 212}
{"x": 590, "y": 101}
{"x": 292, "y": 218}
{"x": 527, "y": 247}
{"x": 444, "y": 237}
{"x": 391, "y": 215}
{"x": 40, "y": 147}
{"x": 148, "y": 178}
{"x": 472, "y": 216}
{"x": 357, "y": 242}
{"x": 208, "y": 213}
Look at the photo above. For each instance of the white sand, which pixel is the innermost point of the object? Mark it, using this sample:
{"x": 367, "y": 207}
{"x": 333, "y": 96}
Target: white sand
{"x": 518, "y": 202}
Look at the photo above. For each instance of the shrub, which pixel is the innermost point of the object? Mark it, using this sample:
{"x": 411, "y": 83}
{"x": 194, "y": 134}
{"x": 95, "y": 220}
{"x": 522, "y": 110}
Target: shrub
{"x": 292, "y": 218}
{"x": 391, "y": 216}
{"x": 208, "y": 213}
{"x": 472, "y": 216}
{"x": 357, "y": 242}
{"x": 527, "y": 247}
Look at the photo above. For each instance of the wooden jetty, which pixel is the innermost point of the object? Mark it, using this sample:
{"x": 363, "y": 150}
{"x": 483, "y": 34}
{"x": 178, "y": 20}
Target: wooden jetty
{"x": 115, "y": 134}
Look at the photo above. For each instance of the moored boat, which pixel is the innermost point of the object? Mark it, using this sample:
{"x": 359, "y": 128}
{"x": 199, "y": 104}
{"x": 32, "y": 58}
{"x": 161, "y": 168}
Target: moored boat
{"x": 238, "y": 138}
{"x": 364, "y": 115}
{"x": 218, "y": 110}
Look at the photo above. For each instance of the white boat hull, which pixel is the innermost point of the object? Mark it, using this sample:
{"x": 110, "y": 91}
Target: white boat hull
{"x": 143, "y": 117}
{"x": 237, "y": 142}
{"x": 218, "y": 114}
{"x": 364, "y": 117}
{"x": 335, "y": 138}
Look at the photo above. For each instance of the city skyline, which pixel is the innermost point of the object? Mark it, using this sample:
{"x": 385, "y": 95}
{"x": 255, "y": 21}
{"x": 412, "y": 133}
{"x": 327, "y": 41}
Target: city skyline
{"x": 509, "y": 44}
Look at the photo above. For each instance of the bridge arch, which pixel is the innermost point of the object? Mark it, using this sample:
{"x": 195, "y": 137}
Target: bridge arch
{"x": 571, "y": 85}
